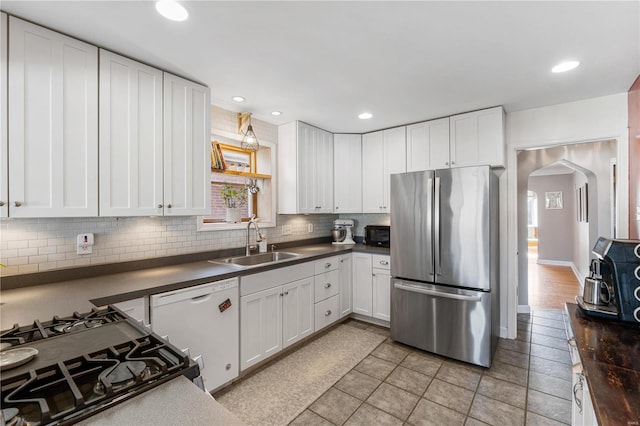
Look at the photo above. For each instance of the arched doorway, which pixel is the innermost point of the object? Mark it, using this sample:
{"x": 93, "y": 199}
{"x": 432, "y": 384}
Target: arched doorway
{"x": 585, "y": 166}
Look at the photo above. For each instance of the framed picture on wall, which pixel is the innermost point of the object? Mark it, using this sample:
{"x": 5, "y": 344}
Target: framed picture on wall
{"x": 553, "y": 200}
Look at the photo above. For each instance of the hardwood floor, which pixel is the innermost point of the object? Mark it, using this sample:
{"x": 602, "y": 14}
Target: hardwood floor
{"x": 550, "y": 286}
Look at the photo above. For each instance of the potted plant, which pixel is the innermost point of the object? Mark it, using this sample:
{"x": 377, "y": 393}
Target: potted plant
{"x": 234, "y": 199}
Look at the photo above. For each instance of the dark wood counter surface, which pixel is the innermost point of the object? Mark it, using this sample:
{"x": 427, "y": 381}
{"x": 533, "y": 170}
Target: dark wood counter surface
{"x": 610, "y": 356}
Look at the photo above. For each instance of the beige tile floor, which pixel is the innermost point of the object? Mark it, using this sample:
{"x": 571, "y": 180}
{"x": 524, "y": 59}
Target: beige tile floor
{"x": 528, "y": 383}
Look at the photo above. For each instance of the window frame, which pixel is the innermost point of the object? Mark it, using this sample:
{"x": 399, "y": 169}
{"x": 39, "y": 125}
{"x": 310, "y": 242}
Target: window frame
{"x": 264, "y": 202}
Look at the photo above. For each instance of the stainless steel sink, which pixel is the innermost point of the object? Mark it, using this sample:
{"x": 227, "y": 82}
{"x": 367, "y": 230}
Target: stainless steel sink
{"x": 256, "y": 259}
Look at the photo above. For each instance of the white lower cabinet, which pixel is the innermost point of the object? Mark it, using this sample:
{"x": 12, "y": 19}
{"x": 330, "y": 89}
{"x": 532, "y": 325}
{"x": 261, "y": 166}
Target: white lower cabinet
{"x": 297, "y": 311}
{"x": 371, "y": 286}
{"x": 346, "y": 288}
{"x": 138, "y": 309}
{"x": 362, "y": 284}
{"x": 381, "y": 299}
{"x": 276, "y": 310}
{"x": 327, "y": 292}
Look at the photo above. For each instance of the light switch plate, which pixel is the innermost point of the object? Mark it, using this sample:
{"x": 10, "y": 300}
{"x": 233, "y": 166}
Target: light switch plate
{"x": 286, "y": 230}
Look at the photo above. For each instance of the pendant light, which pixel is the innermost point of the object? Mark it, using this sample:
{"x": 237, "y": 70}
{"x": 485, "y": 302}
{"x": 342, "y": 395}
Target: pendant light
{"x": 249, "y": 139}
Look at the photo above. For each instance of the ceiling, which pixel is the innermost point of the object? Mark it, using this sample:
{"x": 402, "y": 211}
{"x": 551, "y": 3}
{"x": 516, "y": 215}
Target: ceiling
{"x": 326, "y": 62}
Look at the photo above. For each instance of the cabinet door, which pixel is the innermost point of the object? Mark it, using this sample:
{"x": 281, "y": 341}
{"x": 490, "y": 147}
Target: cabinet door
{"x": 381, "y": 294}
{"x": 130, "y": 137}
{"x": 372, "y": 173}
{"x": 428, "y": 145}
{"x": 187, "y": 153}
{"x": 4, "y": 171}
{"x": 53, "y": 137}
{"x": 347, "y": 172}
{"x": 260, "y": 326}
{"x": 395, "y": 159}
{"x": 362, "y": 284}
{"x": 345, "y": 279}
{"x": 306, "y": 169}
{"x": 477, "y": 138}
{"x": 297, "y": 311}
{"x": 323, "y": 172}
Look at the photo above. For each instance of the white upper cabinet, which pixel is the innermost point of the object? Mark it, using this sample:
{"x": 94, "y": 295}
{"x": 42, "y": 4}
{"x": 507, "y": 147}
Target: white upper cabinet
{"x": 4, "y": 171}
{"x": 477, "y": 138}
{"x": 187, "y": 155}
{"x": 347, "y": 173}
{"x": 305, "y": 169}
{"x": 428, "y": 145}
{"x": 53, "y": 137}
{"x": 383, "y": 154}
{"x": 131, "y": 167}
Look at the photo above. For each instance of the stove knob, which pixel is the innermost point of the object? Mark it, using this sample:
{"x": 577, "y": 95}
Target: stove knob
{"x": 636, "y": 251}
{"x": 636, "y": 314}
{"x": 636, "y": 294}
{"x": 637, "y": 273}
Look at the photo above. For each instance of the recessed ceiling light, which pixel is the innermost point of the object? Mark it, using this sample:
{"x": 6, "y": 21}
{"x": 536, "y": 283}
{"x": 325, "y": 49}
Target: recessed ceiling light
{"x": 172, "y": 10}
{"x": 238, "y": 99}
{"x": 565, "y": 66}
{"x": 365, "y": 116}
{"x": 276, "y": 113}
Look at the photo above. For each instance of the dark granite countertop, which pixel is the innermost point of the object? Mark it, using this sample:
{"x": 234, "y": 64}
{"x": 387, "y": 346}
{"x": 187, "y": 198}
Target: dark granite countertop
{"x": 610, "y": 356}
{"x": 43, "y": 301}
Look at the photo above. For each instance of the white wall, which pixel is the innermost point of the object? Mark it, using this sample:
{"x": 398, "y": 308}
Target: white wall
{"x": 592, "y": 119}
{"x": 555, "y": 226}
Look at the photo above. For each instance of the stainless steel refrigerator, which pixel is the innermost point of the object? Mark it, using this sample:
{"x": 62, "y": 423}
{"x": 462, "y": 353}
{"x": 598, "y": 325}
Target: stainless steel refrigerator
{"x": 444, "y": 262}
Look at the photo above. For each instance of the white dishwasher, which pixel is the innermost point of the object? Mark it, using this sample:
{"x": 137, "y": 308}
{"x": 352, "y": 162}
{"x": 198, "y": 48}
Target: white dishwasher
{"x": 203, "y": 319}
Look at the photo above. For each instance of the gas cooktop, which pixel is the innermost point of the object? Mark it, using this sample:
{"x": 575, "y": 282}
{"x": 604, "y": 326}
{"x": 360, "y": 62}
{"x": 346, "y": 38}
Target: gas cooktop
{"x": 76, "y": 366}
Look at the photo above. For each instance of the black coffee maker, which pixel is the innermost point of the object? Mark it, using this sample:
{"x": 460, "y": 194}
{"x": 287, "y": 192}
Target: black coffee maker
{"x": 613, "y": 288}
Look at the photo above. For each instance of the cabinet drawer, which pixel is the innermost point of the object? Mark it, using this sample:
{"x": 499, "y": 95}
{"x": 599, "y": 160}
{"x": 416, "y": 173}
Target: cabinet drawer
{"x": 327, "y": 264}
{"x": 327, "y": 312}
{"x": 381, "y": 261}
{"x": 326, "y": 285}
{"x": 275, "y": 277}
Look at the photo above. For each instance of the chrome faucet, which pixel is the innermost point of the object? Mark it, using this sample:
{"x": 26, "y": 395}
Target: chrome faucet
{"x": 255, "y": 224}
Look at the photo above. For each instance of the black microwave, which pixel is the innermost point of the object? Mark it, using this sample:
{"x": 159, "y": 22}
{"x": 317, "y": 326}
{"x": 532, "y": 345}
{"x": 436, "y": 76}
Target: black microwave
{"x": 377, "y": 235}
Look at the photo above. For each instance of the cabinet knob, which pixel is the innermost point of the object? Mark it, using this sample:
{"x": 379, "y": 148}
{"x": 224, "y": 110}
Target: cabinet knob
{"x": 453, "y": 162}
{"x": 286, "y": 292}
{"x": 159, "y": 206}
{"x": 327, "y": 265}
{"x": 169, "y": 206}
{"x": 327, "y": 313}
{"x": 384, "y": 262}
{"x": 373, "y": 275}
{"x": 380, "y": 207}
{"x": 341, "y": 260}
{"x": 227, "y": 367}
{"x": 337, "y": 207}
{"x": 1, "y": 203}
{"x": 446, "y": 163}
{"x": 327, "y": 285}
{"x": 17, "y": 203}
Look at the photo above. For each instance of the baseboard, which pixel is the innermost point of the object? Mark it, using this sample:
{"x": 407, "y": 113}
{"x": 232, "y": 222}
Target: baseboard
{"x": 556, "y": 262}
{"x": 504, "y": 333}
{"x": 524, "y": 309}
{"x": 579, "y": 276}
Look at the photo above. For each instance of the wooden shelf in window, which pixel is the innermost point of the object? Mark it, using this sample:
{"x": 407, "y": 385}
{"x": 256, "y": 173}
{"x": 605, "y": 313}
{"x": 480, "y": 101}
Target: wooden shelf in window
{"x": 246, "y": 174}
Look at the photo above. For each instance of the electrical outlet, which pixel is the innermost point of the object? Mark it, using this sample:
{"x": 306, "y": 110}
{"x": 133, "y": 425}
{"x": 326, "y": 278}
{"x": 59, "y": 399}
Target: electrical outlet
{"x": 286, "y": 230}
{"x": 84, "y": 243}
{"x": 310, "y": 227}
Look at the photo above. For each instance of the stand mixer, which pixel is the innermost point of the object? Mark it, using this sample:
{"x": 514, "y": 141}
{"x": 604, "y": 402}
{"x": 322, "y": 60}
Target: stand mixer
{"x": 342, "y": 232}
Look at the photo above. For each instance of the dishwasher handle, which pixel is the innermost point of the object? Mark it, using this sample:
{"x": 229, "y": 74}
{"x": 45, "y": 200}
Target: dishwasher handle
{"x": 435, "y": 293}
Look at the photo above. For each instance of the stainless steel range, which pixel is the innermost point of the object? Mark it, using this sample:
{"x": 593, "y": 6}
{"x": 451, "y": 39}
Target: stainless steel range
{"x": 66, "y": 369}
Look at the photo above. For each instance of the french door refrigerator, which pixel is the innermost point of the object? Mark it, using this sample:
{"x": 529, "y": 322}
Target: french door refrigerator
{"x": 444, "y": 251}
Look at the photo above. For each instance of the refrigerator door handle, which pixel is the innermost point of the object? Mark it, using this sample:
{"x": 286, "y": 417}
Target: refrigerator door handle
{"x": 436, "y": 226}
{"x": 428, "y": 292}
